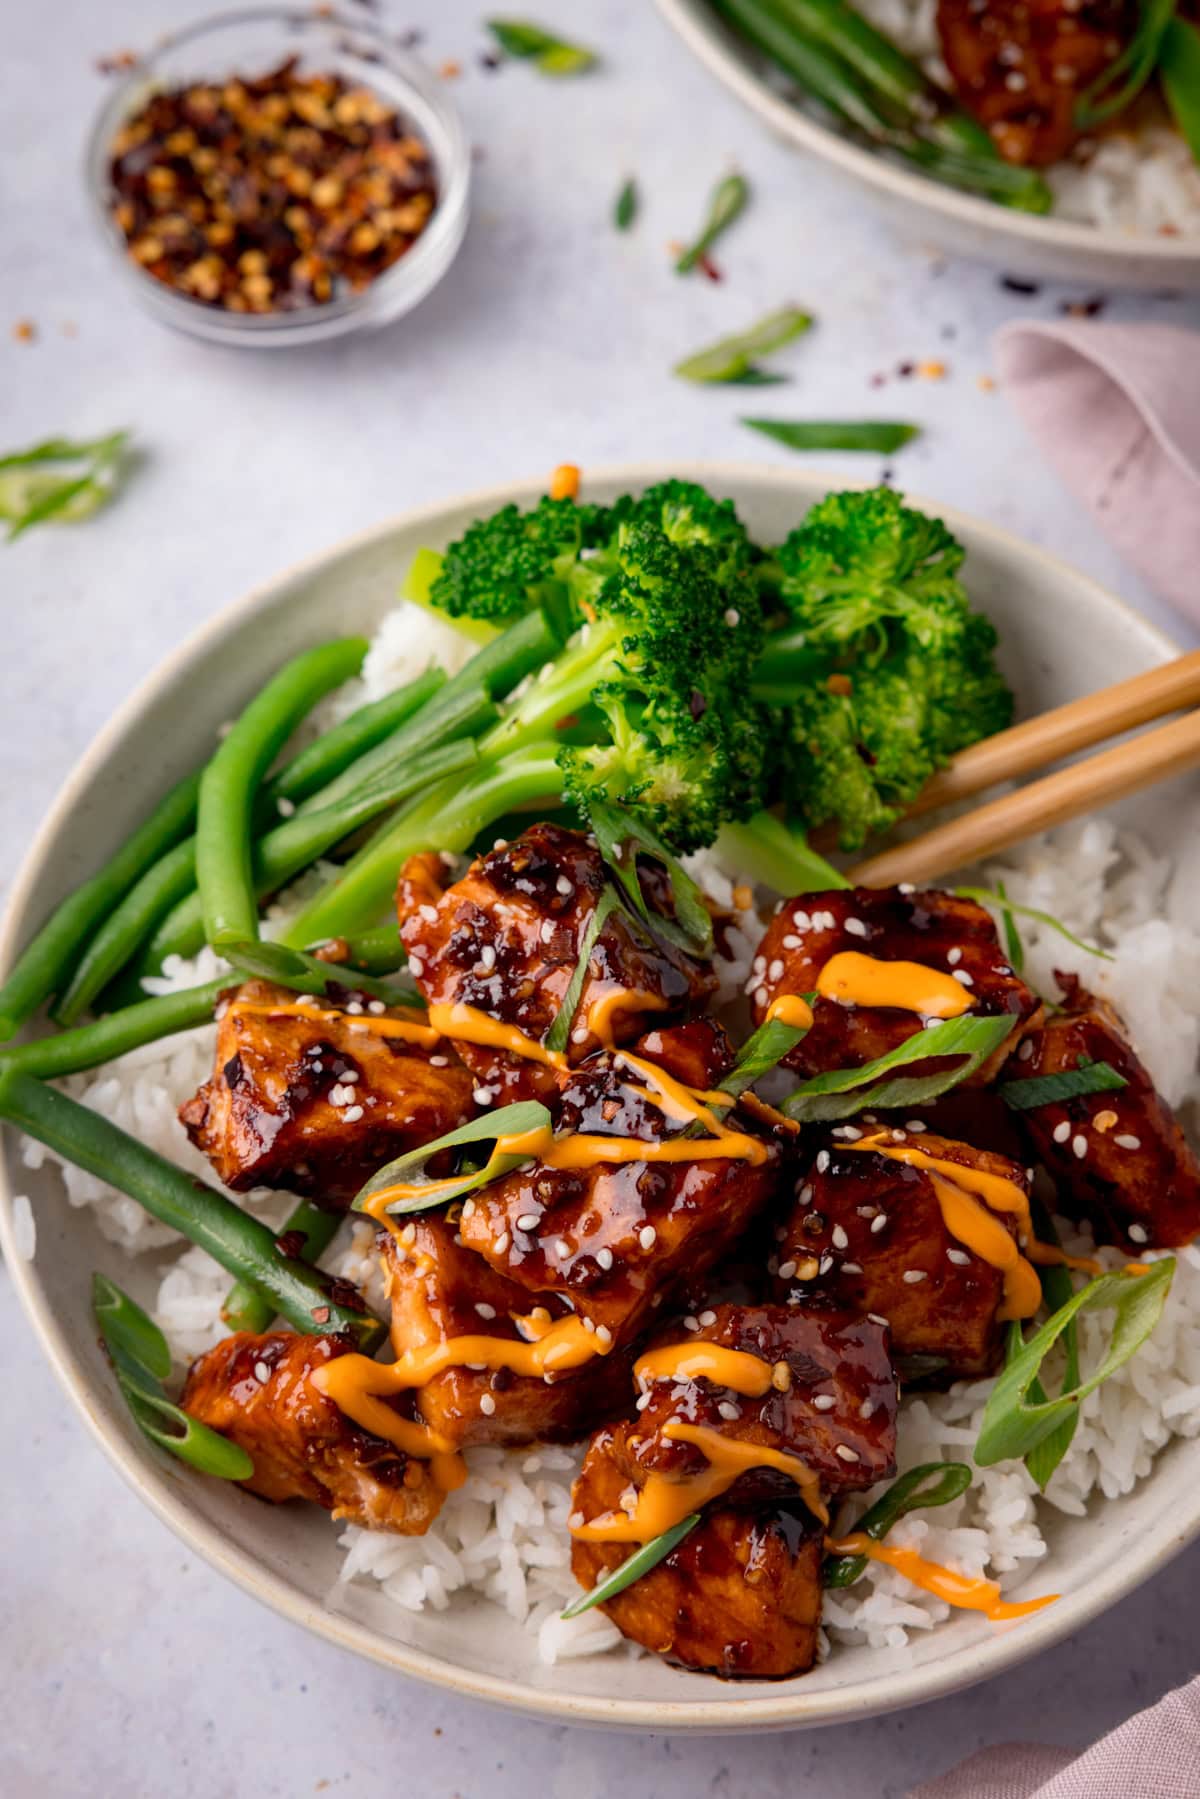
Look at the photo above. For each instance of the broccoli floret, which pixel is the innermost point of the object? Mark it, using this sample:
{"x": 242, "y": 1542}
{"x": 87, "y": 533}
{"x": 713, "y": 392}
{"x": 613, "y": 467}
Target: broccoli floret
{"x": 503, "y": 566}
{"x": 864, "y": 568}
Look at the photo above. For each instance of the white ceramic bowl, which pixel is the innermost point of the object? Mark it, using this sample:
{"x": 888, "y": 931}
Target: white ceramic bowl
{"x": 1061, "y": 636}
{"x": 925, "y": 210}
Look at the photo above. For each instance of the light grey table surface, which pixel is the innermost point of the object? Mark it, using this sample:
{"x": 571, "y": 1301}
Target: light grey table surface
{"x": 128, "y": 1666}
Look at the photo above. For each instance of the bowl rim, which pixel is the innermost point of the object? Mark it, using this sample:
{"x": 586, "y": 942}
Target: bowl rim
{"x": 704, "y": 38}
{"x": 787, "y": 1707}
{"x": 397, "y": 290}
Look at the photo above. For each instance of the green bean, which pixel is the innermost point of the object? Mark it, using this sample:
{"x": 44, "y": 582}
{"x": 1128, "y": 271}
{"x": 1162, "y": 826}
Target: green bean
{"x": 88, "y": 1045}
{"x": 242, "y": 1245}
{"x": 323, "y": 760}
{"x": 245, "y": 1307}
{"x": 229, "y": 784}
{"x": 299, "y": 841}
{"x": 42, "y": 967}
{"x": 146, "y": 903}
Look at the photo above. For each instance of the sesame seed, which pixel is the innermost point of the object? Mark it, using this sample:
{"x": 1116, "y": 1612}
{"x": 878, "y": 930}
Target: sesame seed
{"x": 548, "y": 929}
{"x": 487, "y": 1404}
{"x": 563, "y": 886}
{"x": 262, "y": 1373}
{"x": 867, "y": 1211}
{"x": 428, "y": 913}
{"x": 728, "y": 1410}
{"x": 580, "y": 1034}
{"x": 804, "y": 1194}
{"x": 285, "y": 807}
{"x": 1063, "y": 1131}
{"x": 824, "y": 1402}
{"x": 643, "y": 1402}
{"x": 468, "y": 1210}
{"x": 839, "y": 1238}
{"x": 878, "y": 1223}
{"x": 913, "y": 1276}
{"x": 447, "y": 858}
{"x": 761, "y": 997}
{"x": 916, "y": 1124}
{"x": 604, "y": 1259}
{"x": 963, "y": 978}
{"x": 487, "y": 956}
{"x": 851, "y": 1267}
{"x": 732, "y": 616}
{"x": 603, "y": 1334}
{"x": 959, "y": 1257}
{"x": 844, "y": 1451}
{"x": 377, "y": 1007}
{"x": 802, "y": 921}
{"x": 760, "y": 964}
{"x": 906, "y": 887}
{"x": 647, "y": 1236}
{"x": 575, "y": 1520}
{"x": 529, "y": 1221}
{"x": 485, "y": 1310}
{"x": 439, "y": 1061}
{"x": 786, "y": 1270}
{"x": 954, "y": 956}
{"x": 850, "y": 1132}
{"x": 352, "y": 1114}
{"x": 1127, "y": 1142}
{"x": 1138, "y": 1234}
{"x": 1080, "y": 1145}
{"x": 897, "y": 1136}
{"x": 501, "y": 1243}
{"x": 562, "y": 1248}
{"x": 354, "y": 1007}
{"x": 875, "y": 1318}
{"x": 791, "y": 942}
{"x": 1025, "y": 1052}
{"x": 825, "y": 1264}
{"x": 690, "y": 1323}
{"x": 856, "y": 927}
{"x": 409, "y": 1234}
{"x": 822, "y": 1161}
{"x": 707, "y": 1318}
{"x": 416, "y": 967}
{"x": 483, "y": 1096}
{"x": 775, "y": 971}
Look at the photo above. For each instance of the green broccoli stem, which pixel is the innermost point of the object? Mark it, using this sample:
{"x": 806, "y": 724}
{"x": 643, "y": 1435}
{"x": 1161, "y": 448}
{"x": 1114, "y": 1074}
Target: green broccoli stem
{"x": 449, "y": 818}
{"x": 787, "y": 667}
{"x": 776, "y": 855}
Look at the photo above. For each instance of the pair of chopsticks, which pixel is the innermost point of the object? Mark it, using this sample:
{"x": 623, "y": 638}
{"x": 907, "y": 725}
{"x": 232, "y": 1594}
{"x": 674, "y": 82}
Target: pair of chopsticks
{"x": 1081, "y": 787}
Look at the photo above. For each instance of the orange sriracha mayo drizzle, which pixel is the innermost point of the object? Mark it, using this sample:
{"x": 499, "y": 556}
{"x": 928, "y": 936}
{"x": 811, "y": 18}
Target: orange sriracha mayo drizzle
{"x": 469, "y": 1025}
{"x": 666, "y": 1499}
{"x": 602, "y": 1010}
{"x": 736, "y": 1369}
{"x": 967, "y": 1198}
{"x": 858, "y": 980}
{"x": 410, "y": 1029}
{"x": 968, "y": 1592}
{"x": 361, "y": 1388}
{"x": 790, "y": 1008}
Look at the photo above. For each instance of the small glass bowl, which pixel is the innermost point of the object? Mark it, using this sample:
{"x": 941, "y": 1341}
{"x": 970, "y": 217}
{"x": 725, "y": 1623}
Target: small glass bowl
{"x": 250, "y": 42}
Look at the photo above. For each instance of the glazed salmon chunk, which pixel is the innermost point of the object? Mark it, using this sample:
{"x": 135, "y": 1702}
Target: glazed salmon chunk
{"x": 505, "y": 939}
{"x": 440, "y": 1290}
{"x": 869, "y": 1231}
{"x": 615, "y": 1238}
{"x": 315, "y": 1098}
{"x": 257, "y": 1390}
{"x": 1118, "y": 1159}
{"x": 881, "y": 960}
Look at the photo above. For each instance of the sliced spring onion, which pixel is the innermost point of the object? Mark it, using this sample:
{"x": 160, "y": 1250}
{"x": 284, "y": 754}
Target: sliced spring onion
{"x": 1125, "y": 77}
{"x": 552, "y": 55}
{"x": 762, "y": 1051}
{"x": 1000, "y": 899}
{"x": 881, "y": 435}
{"x": 1068, "y": 1083}
{"x": 1014, "y": 948}
{"x": 728, "y": 202}
{"x": 933, "y": 1483}
{"x": 308, "y": 974}
{"x": 733, "y": 358}
{"x": 844, "y": 1091}
{"x": 626, "y": 206}
{"x": 1179, "y": 72}
{"x": 1013, "y": 1421}
{"x": 1057, "y": 1289}
{"x": 647, "y": 1556}
{"x": 141, "y": 1361}
{"x": 622, "y": 840}
{"x": 509, "y": 1121}
{"x": 60, "y": 479}
{"x": 559, "y": 1034}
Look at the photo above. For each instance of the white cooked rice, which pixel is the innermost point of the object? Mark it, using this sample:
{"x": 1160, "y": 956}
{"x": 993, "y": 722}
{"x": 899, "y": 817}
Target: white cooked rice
{"x": 1138, "y": 179}
{"x": 503, "y": 1535}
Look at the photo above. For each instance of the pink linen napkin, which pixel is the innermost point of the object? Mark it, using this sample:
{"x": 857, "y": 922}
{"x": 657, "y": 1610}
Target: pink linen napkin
{"x": 1115, "y": 409}
{"x": 1154, "y": 1755}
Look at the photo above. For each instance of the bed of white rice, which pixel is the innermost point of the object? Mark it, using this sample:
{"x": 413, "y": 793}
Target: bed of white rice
{"x": 1139, "y": 178}
{"x": 504, "y": 1533}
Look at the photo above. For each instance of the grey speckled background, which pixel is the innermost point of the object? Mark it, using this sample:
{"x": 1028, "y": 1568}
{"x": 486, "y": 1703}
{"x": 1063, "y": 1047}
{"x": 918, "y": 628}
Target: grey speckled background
{"x": 128, "y": 1667}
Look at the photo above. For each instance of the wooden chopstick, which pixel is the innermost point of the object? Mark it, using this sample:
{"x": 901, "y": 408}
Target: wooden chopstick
{"x": 1038, "y": 742}
{"x": 1082, "y": 787}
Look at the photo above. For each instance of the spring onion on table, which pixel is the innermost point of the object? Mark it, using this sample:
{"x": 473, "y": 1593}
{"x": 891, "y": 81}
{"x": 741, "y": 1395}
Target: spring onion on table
{"x": 550, "y": 54}
{"x": 732, "y": 359}
{"x": 880, "y": 435}
{"x": 60, "y": 479}
{"x": 729, "y": 200}
{"x": 626, "y": 205}
{"x": 242, "y": 1245}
